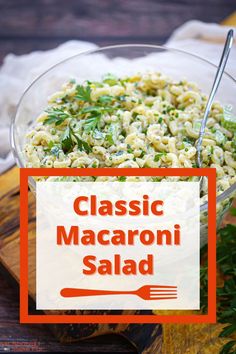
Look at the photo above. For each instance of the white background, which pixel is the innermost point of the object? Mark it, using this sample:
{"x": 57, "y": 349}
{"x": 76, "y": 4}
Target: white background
{"x": 61, "y": 266}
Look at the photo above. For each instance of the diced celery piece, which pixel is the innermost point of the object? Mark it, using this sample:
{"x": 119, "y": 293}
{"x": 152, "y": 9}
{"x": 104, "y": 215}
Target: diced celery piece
{"x": 228, "y": 121}
{"x": 197, "y": 125}
{"x": 220, "y": 137}
{"x": 234, "y": 141}
{"x": 112, "y": 133}
{"x": 110, "y": 79}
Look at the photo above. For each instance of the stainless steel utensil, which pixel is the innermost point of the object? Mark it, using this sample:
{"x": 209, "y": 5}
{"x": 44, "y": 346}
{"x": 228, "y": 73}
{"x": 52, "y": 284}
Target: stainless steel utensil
{"x": 219, "y": 73}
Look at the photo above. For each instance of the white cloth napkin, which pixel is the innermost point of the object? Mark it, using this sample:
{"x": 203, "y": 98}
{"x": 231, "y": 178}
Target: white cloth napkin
{"x": 17, "y": 72}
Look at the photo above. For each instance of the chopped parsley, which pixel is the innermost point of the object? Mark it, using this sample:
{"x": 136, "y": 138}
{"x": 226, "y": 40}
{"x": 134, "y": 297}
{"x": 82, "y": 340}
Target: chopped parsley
{"x": 122, "y": 98}
{"x": 159, "y": 155}
{"x": 233, "y": 143}
{"x": 129, "y": 150}
{"x": 226, "y": 295}
{"x": 83, "y": 93}
{"x": 66, "y": 140}
{"x": 121, "y": 178}
{"x": 142, "y": 154}
{"x": 111, "y": 134}
{"x": 91, "y": 123}
{"x": 156, "y": 179}
{"x": 169, "y": 109}
{"x": 69, "y": 139}
{"x": 109, "y": 138}
{"x": 105, "y": 99}
{"x": 188, "y": 140}
{"x": 135, "y": 114}
{"x": 56, "y": 116}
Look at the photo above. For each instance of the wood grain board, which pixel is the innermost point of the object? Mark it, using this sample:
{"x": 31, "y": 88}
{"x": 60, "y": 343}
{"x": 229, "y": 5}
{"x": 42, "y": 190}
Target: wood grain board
{"x": 177, "y": 339}
{"x": 147, "y": 338}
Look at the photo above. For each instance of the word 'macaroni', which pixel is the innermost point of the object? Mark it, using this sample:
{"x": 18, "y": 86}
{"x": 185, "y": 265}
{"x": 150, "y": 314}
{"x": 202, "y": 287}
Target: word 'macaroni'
{"x": 90, "y": 206}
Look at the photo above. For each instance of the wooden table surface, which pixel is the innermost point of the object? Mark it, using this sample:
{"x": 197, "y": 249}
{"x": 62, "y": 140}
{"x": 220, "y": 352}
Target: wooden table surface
{"x": 27, "y": 25}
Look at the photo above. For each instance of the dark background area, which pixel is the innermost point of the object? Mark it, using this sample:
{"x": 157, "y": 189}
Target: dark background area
{"x": 28, "y": 25}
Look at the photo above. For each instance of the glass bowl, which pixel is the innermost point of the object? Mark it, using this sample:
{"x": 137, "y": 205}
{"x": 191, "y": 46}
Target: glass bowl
{"x": 122, "y": 60}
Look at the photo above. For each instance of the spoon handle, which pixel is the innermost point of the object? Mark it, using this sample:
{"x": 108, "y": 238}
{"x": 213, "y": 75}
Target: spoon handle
{"x": 219, "y": 73}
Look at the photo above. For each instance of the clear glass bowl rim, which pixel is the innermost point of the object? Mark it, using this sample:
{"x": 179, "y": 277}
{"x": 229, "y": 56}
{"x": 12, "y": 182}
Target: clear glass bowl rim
{"x": 20, "y": 163}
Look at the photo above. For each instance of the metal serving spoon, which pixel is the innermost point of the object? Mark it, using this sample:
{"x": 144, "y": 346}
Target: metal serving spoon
{"x": 219, "y": 73}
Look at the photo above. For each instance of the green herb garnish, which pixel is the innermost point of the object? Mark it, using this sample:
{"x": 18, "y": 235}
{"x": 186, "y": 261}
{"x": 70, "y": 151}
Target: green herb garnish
{"x": 56, "y": 116}
{"x": 188, "y": 140}
{"x": 112, "y": 133}
{"x": 95, "y": 114}
{"x": 105, "y": 99}
{"x": 134, "y": 115}
{"x": 109, "y": 138}
{"x": 66, "y": 140}
{"x": 121, "y": 178}
{"x": 156, "y": 179}
{"x": 122, "y": 98}
{"x": 232, "y": 211}
{"x": 142, "y": 154}
{"x": 70, "y": 139}
{"x": 226, "y": 295}
{"x": 92, "y": 110}
{"x": 83, "y": 93}
{"x": 169, "y": 109}
{"x": 91, "y": 123}
{"x": 129, "y": 149}
{"x": 159, "y": 155}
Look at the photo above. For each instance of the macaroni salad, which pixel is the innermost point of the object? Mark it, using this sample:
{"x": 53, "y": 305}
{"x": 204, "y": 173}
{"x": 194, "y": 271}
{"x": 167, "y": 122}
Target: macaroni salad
{"x": 146, "y": 120}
